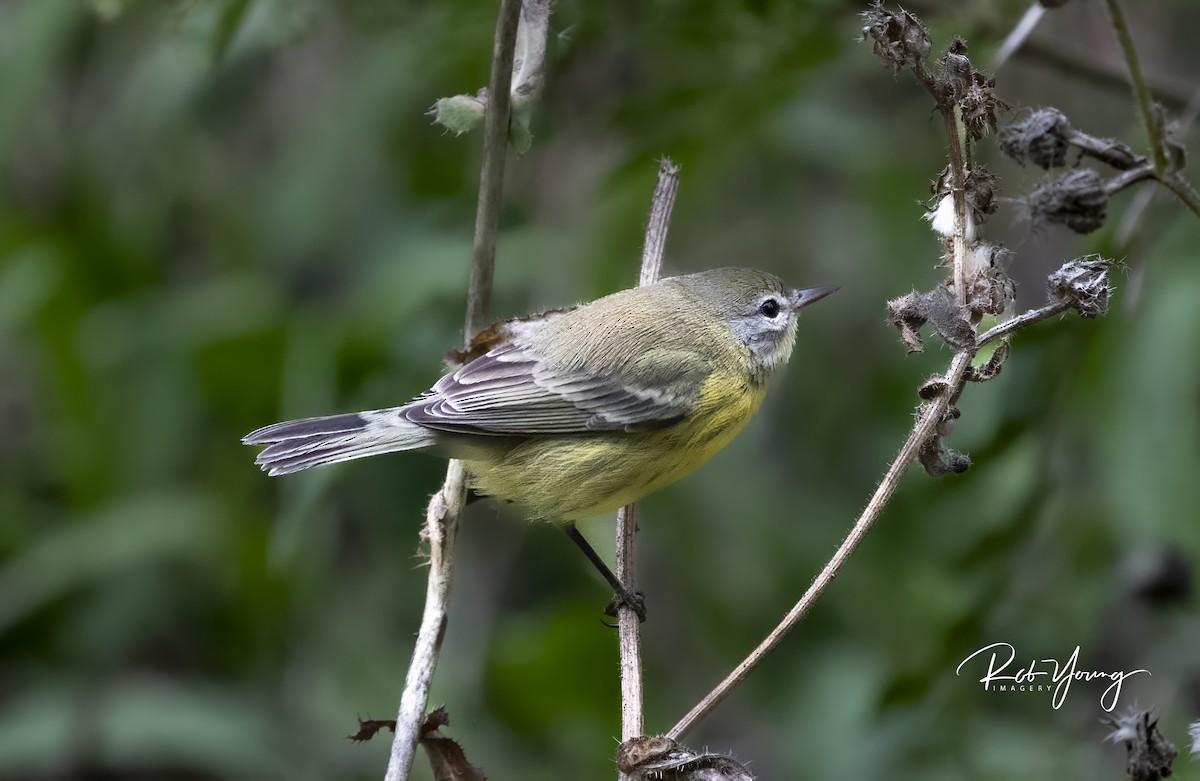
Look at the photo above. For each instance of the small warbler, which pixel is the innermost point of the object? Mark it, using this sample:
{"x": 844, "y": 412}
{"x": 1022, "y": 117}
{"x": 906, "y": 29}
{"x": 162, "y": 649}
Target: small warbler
{"x": 575, "y": 413}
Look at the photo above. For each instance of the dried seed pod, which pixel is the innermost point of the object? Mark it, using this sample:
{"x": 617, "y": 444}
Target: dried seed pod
{"x": 981, "y": 192}
{"x": 1040, "y": 138}
{"x": 648, "y": 758}
{"x": 1082, "y": 283}
{"x": 1149, "y": 755}
{"x": 901, "y": 40}
{"x": 954, "y": 76}
{"x": 1077, "y": 199}
{"x": 980, "y": 104}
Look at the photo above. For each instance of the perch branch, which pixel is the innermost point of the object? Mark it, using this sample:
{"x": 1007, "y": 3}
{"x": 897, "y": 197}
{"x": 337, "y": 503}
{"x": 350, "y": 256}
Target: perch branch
{"x": 628, "y": 623}
{"x": 445, "y": 508}
{"x": 923, "y": 430}
{"x": 925, "y": 426}
{"x": 901, "y": 42}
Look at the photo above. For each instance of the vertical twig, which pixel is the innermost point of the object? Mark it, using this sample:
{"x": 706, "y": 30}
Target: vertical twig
{"x": 958, "y": 176}
{"x": 1140, "y": 91}
{"x": 491, "y": 174}
{"x": 1164, "y": 169}
{"x": 628, "y": 623}
{"x": 958, "y": 153}
{"x": 445, "y": 508}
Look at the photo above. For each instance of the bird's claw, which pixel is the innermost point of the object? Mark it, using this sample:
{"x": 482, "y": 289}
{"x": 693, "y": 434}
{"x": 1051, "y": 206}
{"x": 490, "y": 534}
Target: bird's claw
{"x": 634, "y": 600}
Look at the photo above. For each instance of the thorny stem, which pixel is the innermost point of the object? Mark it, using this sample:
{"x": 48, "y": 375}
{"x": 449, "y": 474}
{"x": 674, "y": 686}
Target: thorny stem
{"x": 1140, "y": 91}
{"x": 1134, "y": 167}
{"x": 1171, "y": 179}
{"x": 628, "y": 623}
{"x": 958, "y": 180}
{"x": 1129, "y": 178}
{"x": 445, "y": 508}
{"x": 955, "y": 143}
{"x": 1020, "y": 321}
{"x": 1107, "y": 150}
{"x": 924, "y": 428}
{"x": 1183, "y": 190}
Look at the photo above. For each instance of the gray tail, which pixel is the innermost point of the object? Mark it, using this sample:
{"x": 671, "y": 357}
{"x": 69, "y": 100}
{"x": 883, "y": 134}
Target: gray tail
{"x": 299, "y": 444}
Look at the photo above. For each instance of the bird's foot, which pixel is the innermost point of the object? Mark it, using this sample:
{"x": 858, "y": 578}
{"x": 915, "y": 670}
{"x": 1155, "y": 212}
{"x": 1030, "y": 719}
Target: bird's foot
{"x": 634, "y": 600}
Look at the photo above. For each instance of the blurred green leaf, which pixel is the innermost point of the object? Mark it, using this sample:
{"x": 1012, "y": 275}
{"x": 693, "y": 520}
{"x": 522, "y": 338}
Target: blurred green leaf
{"x": 131, "y": 533}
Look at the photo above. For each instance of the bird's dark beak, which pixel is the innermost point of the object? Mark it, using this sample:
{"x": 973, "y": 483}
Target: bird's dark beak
{"x": 802, "y": 298}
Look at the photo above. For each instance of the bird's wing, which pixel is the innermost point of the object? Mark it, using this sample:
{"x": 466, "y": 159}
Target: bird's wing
{"x": 512, "y": 390}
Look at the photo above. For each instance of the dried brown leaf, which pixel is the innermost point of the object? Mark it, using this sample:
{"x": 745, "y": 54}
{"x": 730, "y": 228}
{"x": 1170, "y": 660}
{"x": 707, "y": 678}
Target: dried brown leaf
{"x": 936, "y": 307}
{"x": 446, "y": 756}
{"x": 368, "y": 727}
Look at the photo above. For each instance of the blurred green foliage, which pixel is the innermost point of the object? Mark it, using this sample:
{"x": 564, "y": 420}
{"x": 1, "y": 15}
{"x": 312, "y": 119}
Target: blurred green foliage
{"x": 215, "y": 214}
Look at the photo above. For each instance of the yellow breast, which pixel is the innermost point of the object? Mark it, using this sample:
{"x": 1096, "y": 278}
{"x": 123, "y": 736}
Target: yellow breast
{"x": 571, "y": 477}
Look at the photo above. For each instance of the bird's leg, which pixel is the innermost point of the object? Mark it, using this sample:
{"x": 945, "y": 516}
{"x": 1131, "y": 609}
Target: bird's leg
{"x": 621, "y": 595}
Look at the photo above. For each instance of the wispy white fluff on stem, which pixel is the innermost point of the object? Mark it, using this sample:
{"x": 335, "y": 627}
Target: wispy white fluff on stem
{"x": 942, "y": 219}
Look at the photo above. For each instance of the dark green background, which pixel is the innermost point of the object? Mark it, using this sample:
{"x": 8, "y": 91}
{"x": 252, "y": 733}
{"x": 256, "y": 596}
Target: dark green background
{"x": 215, "y": 215}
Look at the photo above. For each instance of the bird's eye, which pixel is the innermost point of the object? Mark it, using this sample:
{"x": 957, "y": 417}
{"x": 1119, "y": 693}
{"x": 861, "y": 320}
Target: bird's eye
{"x": 769, "y": 308}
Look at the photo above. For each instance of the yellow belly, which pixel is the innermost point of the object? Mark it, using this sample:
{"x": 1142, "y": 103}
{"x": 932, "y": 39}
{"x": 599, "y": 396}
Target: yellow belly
{"x": 567, "y": 478}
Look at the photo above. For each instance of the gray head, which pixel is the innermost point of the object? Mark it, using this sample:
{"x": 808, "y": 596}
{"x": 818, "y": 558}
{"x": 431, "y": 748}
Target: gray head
{"x": 760, "y": 310}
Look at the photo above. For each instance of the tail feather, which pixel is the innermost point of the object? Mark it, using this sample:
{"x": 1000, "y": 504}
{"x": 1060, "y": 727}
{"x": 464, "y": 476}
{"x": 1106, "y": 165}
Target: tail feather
{"x": 300, "y": 444}
{"x": 307, "y": 427}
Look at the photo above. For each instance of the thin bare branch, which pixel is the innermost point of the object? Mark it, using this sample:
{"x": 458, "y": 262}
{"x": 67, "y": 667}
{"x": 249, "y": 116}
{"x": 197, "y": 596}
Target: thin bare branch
{"x": 1141, "y": 92}
{"x": 491, "y": 175}
{"x": 928, "y": 420}
{"x": 1164, "y": 170}
{"x": 926, "y": 424}
{"x": 1020, "y": 321}
{"x": 1128, "y": 178}
{"x": 1183, "y": 190}
{"x": 629, "y": 628}
{"x": 659, "y": 222}
{"x": 441, "y": 533}
{"x": 445, "y": 509}
{"x": 1133, "y": 215}
{"x": 628, "y": 623}
{"x": 1020, "y": 33}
